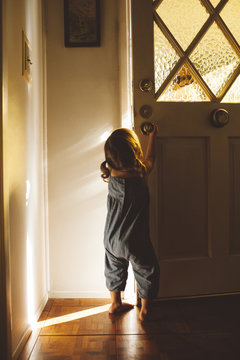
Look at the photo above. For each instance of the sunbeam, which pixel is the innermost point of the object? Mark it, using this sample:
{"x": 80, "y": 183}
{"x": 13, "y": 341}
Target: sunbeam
{"x": 71, "y": 317}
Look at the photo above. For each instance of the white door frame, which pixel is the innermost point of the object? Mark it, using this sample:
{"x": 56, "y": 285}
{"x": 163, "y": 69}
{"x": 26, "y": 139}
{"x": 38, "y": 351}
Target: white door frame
{"x": 126, "y": 95}
{"x": 125, "y": 64}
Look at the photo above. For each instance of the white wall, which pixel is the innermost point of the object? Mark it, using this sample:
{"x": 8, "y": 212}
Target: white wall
{"x": 83, "y": 104}
{"x": 23, "y": 167}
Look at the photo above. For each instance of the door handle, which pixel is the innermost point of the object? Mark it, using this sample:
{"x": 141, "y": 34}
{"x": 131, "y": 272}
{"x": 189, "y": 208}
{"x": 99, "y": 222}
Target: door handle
{"x": 146, "y": 111}
{"x": 146, "y": 85}
{"x": 146, "y": 127}
{"x": 219, "y": 118}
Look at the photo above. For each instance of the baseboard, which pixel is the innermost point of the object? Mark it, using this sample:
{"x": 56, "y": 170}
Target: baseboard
{"x": 28, "y": 331}
{"x": 22, "y": 343}
{"x": 79, "y": 294}
{"x": 41, "y": 306}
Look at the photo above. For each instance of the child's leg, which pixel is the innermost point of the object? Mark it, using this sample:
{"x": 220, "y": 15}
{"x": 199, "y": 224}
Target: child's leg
{"x": 138, "y": 300}
{"x": 117, "y": 305}
{"x": 144, "y": 312}
{"x": 116, "y": 277}
{"x": 147, "y": 277}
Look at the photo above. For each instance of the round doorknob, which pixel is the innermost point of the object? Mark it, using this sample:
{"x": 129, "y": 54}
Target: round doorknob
{"x": 146, "y": 111}
{"x": 219, "y": 117}
{"x": 146, "y": 127}
{"x": 146, "y": 85}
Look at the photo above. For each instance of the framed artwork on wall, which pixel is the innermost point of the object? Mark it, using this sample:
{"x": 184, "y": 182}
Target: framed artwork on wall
{"x": 81, "y": 23}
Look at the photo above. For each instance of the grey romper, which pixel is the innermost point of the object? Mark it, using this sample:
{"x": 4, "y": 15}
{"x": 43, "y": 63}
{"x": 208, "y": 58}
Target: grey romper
{"x": 126, "y": 237}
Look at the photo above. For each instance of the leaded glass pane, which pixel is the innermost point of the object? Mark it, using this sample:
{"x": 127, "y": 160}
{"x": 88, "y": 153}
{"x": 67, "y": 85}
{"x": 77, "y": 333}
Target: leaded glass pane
{"x": 214, "y": 2}
{"x": 233, "y": 94}
{"x": 183, "y": 88}
{"x": 165, "y": 57}
{"x": 215, "y": 59}
{"x": 231, "y": 16}
{"x": 183, "y": 18}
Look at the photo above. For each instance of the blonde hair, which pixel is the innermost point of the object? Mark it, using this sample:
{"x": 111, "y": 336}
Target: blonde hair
{"x": 122, "y": 151}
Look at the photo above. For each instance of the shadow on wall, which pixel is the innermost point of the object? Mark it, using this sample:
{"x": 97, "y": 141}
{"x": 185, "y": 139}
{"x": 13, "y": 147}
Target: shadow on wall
{"x": 78, "y": 165}
{"x": 77, "y": 212}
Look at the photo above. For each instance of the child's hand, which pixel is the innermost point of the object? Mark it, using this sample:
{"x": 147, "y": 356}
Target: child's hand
{"x": 151, "y": 151}
{"x": 155, "y": 129}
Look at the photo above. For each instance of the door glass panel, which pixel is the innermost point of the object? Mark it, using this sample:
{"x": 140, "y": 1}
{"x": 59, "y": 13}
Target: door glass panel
{"x": 165, "y": 57}
{"x": 215, "y": 59}
{"x": 214, "y": 2}
{"x": 183, "y": 18}
{"x": 233, "y": 95}
{"x": 183, "y": 88}
{"x": 231, "y": 16}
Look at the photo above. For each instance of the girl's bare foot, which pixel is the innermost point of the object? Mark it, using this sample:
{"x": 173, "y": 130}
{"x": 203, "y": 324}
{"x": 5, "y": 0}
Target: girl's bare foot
{"x": 144, "y": 314}
{"x": 119, "y": 307}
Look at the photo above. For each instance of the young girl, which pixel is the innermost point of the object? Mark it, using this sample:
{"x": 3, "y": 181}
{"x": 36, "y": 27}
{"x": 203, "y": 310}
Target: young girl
{"x": 126, "y": 235}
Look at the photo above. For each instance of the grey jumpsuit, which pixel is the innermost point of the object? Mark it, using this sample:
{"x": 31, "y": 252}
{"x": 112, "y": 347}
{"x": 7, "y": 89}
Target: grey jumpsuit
{"x": 126, "y": 237}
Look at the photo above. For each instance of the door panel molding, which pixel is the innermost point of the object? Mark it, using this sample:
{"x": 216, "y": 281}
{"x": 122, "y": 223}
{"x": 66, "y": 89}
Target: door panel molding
{"x": 234, "y": 164}
{"x": 183, "y": 194}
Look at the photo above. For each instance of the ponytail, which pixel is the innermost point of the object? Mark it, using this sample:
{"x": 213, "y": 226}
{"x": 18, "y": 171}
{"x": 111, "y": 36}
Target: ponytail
{"x": 105, "y": 171}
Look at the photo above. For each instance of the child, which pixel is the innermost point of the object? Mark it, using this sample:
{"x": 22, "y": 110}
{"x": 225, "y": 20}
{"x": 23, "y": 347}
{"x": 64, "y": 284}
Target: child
{"x": 126, "y": 234}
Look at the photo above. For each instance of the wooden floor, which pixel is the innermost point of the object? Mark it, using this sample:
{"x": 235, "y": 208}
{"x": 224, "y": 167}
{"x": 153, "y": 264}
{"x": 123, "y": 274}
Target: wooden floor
{"x": 188, "y": 329}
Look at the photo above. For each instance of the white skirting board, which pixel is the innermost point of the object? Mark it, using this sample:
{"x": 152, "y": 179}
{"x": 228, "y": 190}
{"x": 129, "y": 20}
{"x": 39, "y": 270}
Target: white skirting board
{"x": 78, "y": 295}
{"x": 28, "y": 331}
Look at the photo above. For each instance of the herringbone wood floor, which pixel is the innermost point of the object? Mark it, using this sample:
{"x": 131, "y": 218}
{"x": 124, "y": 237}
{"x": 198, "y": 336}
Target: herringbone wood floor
{"x": 197, "y": 329}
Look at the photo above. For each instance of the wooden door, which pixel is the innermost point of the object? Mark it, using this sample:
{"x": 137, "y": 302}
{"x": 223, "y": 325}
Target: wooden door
{"x": 193, "y": 60}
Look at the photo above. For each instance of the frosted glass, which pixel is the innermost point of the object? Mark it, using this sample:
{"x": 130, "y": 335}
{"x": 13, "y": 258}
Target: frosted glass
{"x": 215, "y": 59}
{"x": 231, "y": 16}
{"x": 214, "y": 2}
{"x": 165, "y": 57}
{"x": 183, "y": 18}
{"x": 183, "y": 88}
{"x": 233, "y": 94}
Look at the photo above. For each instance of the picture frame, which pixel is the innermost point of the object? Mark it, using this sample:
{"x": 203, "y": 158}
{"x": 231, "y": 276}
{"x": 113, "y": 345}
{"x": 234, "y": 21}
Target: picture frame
{"x": 81, "y": 23}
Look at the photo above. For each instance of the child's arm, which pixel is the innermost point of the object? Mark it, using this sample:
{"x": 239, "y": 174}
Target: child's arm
{"x": 151, "y": 151}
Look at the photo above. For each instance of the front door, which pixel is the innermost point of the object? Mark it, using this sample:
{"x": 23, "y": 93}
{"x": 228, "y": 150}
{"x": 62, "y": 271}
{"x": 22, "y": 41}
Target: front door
{"x": 189, "y": 50}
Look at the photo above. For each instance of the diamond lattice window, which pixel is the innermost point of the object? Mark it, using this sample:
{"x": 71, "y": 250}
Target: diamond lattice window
{"x": 197, "y": 50}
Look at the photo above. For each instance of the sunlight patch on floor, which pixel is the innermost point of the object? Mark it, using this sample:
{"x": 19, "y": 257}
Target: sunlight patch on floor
{"x": 71, "y": 317}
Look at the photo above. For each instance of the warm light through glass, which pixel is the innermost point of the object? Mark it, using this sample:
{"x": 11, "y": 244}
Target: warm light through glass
{"x": 165, "y": 57}
{"x": 183, "y": 88}
{"x": 183, "y": 18}
{"x": 233, "y": 94}
{"x": 214, "y": 2}
{"x": 231, "y": 16}
{"x": 215, "y": 59}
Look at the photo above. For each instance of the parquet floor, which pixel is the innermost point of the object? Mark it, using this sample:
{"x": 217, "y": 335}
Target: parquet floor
{"x": 82, "y": 329}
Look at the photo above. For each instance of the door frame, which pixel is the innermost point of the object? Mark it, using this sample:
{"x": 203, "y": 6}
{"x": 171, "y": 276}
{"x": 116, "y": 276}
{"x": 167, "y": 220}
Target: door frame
{"x": 125, "y": 63}
{"x": 5, "y": 299}
{"x": 126, "y": 97}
